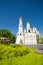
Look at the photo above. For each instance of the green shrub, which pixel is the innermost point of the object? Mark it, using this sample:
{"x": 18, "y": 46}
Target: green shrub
{"x": 1, "y": 56}
{"x": 9, "y": 51}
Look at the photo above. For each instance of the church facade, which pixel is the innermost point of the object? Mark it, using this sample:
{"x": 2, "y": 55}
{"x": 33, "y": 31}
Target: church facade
{"x": 28, "y": 36}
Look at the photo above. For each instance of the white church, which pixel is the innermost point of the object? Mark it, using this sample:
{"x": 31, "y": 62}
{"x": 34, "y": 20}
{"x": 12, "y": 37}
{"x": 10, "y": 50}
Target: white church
{"x": 26, "y": 36}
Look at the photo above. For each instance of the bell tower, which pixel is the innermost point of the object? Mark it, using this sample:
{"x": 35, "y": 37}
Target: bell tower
{"x": 20, "y": 30}
{"x": 20, "y": 37}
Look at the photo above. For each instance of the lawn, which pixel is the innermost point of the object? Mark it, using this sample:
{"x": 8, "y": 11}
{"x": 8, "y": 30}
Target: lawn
{"x": 30, "y": 58}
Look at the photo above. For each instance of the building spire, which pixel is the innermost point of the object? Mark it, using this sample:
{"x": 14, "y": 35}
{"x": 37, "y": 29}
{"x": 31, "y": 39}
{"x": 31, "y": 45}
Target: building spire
{"x": 28, "y": 25}
{"x": 20, "y": 25}
{"x": 20, "y": 18}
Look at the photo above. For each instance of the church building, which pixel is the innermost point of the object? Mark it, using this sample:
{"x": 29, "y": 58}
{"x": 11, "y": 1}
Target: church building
{"x": 26, "y": 36}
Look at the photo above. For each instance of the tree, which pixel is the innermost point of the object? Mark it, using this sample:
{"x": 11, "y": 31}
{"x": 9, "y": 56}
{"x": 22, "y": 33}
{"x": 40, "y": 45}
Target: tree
{"x": 12, "y": 38}
{"x": 37, "y": 37}
{"x": 7, "y": 34}
{"x": 41, "y": 41}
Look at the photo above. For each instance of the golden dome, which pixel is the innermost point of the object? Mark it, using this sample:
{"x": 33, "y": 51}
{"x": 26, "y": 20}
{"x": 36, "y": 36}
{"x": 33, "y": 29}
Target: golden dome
{"x": 20, "y": 18}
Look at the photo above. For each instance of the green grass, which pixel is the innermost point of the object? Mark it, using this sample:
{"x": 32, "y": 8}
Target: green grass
{"x": 31, "y": 58}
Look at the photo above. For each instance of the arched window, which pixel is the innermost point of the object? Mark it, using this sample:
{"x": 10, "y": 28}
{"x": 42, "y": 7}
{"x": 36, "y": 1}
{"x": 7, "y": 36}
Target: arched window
{"x": 21, "y": 41}
{"x": 20, "y": 33}
{"x": 28, "y": 30}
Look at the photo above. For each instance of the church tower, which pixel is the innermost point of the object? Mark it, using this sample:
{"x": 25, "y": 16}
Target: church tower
{"x": 20, "y": 30}
{"x": 20, "y": 37}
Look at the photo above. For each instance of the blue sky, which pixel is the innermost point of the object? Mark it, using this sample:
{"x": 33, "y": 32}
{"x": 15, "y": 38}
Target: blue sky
{"x": 29, "y": 10}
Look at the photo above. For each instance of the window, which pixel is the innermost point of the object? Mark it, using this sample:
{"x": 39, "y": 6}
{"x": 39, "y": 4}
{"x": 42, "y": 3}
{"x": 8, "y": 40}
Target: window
{"x": 20, "y": 33}
{"x": 28, "y": 30}
{"x": 21, "y": 41}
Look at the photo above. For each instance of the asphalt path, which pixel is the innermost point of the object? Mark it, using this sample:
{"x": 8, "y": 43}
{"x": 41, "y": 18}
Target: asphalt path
{"x": 38, "y": 47}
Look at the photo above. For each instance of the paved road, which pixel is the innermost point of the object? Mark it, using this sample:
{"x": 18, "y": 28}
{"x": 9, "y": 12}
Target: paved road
{"x": 38, "y": 47}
